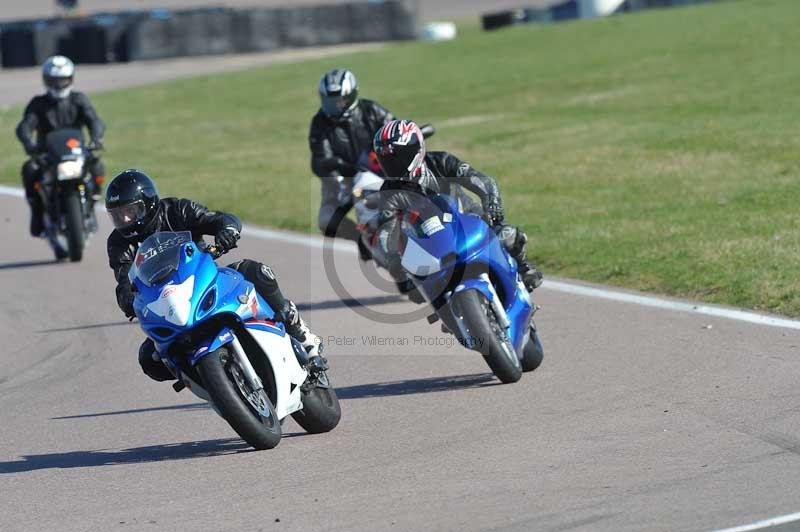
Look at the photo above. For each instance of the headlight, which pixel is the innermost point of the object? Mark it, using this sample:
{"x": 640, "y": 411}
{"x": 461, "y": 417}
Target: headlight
{"x": 70, "y": 169}
{"x": 207, "y": 303}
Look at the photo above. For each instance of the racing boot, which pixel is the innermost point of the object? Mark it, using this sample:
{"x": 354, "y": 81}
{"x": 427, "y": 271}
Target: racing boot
{"x": 298, "y": 330}
{"x": 409, "y": 289}
{"x": 531, "y": 277}
{"x": 37, "y": 217}
{"x": 514, "y": 240}
{"x": 96, "y": 186}
{"x": 364, "y": 254}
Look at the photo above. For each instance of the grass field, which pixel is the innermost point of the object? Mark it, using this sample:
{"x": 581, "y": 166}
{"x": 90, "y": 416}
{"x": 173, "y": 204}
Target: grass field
{"x": 657, "y": 151}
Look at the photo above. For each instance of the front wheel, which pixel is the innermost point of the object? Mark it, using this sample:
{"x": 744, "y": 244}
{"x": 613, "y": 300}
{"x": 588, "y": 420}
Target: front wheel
{"x": 74, "y": 224}
{"x": 250, "y": 413}
{"x": 485, "y": 334}
{"x": 321, "y": 411}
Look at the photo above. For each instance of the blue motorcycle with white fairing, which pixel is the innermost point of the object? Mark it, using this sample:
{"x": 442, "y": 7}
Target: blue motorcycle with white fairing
{"x": 458, "y": 263}
{"x": 220, "y": 339}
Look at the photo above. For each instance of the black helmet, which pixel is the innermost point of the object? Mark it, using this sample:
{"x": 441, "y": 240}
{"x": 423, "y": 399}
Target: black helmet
{"x": 132, "y": 203}
{"x": 338, "y": 92}
{"x": 400, "y": 148}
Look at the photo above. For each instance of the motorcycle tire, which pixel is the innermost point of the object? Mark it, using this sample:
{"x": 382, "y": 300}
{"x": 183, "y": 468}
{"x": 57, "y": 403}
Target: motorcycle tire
{"x": 320, "y": 412}
{"x": 533, "y": 352}
{"x": 216, "y": 372}
{"x": 484, "y": 332}
{"x": 74, "y": 225}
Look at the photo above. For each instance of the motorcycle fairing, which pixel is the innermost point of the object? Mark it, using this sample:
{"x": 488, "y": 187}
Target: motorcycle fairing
{"x": 288, "y": 374}
{"x": 170, "y": 308}
{"x": 466, "y": 246}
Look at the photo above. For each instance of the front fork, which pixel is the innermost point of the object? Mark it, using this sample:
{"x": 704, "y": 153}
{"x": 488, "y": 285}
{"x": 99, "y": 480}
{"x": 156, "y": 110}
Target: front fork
{"x": 247, "y": 368}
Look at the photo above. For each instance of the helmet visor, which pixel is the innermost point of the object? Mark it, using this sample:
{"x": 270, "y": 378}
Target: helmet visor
{"x": 400, "y": 162}
{"x": 127, "y": 215}
{"x": 57, "y": 83}
{"x": 335, "y": 105}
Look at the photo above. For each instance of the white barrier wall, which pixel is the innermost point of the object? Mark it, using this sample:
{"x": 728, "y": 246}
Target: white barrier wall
{"x": 598, "y": 8}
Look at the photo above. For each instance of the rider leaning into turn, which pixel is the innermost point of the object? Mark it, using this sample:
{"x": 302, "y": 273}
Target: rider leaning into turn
{"x": 137, "y": 212}
{"x": 340, "y": 133}
{"x": 61, "y": 107}
{"x": 400, "y": 148}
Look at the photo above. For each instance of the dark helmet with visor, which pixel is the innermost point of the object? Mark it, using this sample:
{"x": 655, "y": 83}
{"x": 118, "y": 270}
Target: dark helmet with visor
{"x": 132, "y": 203}
{"x": 338, "y": 93}
{"x": 400, "y": 148}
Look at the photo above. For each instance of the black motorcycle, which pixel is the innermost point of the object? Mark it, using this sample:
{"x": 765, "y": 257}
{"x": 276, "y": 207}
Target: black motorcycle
{"x": 66, "y": 189}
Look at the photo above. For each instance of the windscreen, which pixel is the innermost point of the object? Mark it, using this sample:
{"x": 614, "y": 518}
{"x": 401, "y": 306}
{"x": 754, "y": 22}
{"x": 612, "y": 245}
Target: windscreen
{"x": 158, "y": 256}
{"x": 65, "y": 144}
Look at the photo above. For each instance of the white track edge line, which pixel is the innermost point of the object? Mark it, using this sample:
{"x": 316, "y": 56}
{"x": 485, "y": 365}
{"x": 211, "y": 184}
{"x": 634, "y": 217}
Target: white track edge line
{"x": 758, "y": 525}
{"x": 12, "y": 191}
{"x": 317, "y": 242}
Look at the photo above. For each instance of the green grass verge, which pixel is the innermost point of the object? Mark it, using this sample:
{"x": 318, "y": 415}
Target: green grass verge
{"x": 657, "y": 151}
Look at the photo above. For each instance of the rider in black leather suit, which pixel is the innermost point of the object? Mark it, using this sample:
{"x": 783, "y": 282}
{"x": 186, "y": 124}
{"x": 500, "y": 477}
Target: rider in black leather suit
{"x": 61, "y": 107}
{"x": 137, "y": 212}
{"x": 340, "y": 133}
{"x": 400, "y": 148}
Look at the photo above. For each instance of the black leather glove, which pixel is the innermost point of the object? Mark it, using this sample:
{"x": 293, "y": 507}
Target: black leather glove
{"x": 125, "y": 297}
{"x": 494, "y": 210}
{"x": 39, "y": 159}
{"x": 226, "y": 239}
{"x": 97, "y": 144}
{"x": 347, "y": 169}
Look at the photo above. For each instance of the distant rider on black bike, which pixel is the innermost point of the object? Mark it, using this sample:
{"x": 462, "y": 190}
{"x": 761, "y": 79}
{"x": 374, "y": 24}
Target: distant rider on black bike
{"x": 61, "y": 107}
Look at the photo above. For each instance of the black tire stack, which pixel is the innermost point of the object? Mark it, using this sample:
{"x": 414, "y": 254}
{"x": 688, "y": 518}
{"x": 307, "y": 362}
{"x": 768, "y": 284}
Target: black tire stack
{"x": 157, "y": 34}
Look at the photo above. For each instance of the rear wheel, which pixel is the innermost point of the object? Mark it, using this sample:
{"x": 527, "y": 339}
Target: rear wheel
{"x": 533, "y": 352}
{"x": 321, "y": 411}
{"x": 250, "y": 413}
{"x": 74, "y": 225}
{"x": 485, "y": 334}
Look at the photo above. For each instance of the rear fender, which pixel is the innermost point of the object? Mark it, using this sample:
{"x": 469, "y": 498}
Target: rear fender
{"x": 223, "y": 337}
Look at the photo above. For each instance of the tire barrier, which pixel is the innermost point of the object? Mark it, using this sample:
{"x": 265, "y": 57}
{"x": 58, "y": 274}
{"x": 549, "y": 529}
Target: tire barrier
{"x": 17, "y": 46}
{"x": 634, "y": 5}
{"x": 573, "y": 9}
{"x": 298, "y": 26}
{"x": 257, "y": 30}
{"x": 493, "y": 21}
{"x": 157, "y": 34}
{"x": 206, "y": 32}
{"x": 100, "y": 39}
{"x": 29, "y": 43}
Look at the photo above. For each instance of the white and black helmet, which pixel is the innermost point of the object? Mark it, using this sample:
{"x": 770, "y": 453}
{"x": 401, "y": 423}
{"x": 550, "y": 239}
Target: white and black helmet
{"x": 338, "y": 92}
{"x": 57, "y": 73}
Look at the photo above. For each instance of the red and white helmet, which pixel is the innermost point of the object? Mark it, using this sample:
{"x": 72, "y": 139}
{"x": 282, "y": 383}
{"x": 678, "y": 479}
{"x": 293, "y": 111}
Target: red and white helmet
{"x": 400, "y": 148}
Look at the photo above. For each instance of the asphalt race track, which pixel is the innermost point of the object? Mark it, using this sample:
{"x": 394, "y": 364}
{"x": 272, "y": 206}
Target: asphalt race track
{"x": 639, "y": 419}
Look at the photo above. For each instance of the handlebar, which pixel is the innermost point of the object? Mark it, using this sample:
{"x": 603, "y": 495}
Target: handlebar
{"x": 214, "y": 251}
{"x": 427, "y": 130}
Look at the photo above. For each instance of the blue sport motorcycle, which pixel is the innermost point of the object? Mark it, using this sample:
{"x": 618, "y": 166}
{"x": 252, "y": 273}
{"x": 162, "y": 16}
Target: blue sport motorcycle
{"x": 457, "y": 262}
{"x": 219, "y": 338}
